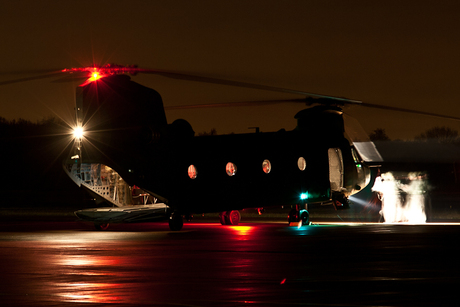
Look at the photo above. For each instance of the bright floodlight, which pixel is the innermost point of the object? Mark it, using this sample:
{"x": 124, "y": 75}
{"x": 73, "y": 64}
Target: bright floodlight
{"x": 78, "y": 132}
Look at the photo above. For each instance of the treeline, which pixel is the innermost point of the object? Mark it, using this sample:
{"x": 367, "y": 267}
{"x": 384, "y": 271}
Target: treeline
{"x": 439, "y": 134}
{"x": 31, "y": 153}
{"x": 25, "y": 128}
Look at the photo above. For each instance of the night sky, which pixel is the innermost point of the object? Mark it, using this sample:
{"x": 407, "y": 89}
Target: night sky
{"x": 396, "y": 53}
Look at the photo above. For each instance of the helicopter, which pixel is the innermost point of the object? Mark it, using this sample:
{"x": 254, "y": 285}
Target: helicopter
{"x": 126, "y": 154}
{"x": 126, "y": 133}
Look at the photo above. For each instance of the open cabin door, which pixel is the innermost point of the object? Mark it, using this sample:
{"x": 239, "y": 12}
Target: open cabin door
{"x": 335, "y": 169}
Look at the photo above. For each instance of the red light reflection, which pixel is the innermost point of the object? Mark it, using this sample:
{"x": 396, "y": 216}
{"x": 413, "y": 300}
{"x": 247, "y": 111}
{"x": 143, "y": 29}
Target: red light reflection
{"x": 87, "y": 261}
{"x": 242, "y": 231}
{"x": 89, "y": 292}
{"x": 94, "y": 267}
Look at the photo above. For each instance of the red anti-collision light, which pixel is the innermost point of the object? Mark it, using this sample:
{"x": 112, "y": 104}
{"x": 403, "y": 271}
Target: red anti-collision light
{"x": 96, "y": 72}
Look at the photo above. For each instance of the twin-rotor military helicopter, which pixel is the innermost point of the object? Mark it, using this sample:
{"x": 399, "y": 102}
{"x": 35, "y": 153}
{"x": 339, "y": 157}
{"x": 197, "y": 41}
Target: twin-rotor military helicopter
{"x": 126, "y": 154}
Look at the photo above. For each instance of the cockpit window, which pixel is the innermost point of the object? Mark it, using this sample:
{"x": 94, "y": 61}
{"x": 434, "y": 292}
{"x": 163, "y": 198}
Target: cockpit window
{"x": 361, "y": 142}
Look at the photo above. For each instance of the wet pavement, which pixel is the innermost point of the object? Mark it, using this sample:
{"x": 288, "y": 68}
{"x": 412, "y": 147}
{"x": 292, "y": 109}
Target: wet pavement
{"x": 206, "y": 264}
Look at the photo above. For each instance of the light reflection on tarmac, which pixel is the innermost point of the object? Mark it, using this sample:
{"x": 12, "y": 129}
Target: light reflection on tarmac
{"x": 207, "y": 264}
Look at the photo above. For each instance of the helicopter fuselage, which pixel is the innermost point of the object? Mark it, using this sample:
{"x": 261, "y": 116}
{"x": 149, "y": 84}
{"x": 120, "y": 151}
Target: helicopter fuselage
{"x": 126, "y": 129}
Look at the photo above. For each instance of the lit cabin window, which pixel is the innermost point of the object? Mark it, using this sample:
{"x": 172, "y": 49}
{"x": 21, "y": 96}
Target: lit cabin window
{"x": 301, "y": 163}
{"x": 231, "y": 169}
{"x": 192, "y": 171}
{"x": 266, "y": 166}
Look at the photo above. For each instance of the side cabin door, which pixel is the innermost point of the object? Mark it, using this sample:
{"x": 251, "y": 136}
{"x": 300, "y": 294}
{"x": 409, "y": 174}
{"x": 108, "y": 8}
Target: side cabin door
{"x": 335, "y": 169}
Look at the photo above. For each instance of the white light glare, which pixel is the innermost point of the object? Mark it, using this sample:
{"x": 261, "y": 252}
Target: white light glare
{"x": 395, "y": 208}
{"x": 78, "y": 132}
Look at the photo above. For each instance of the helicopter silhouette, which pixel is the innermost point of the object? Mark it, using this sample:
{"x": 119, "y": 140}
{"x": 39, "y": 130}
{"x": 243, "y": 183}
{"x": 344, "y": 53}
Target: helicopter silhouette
{"x": 126, "y": 154}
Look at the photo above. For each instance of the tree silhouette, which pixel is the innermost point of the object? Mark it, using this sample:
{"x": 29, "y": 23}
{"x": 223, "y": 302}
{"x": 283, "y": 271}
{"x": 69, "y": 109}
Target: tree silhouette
{"x": 439, "y": 134}
{"x": 212, "y": 132}
{"x": 379, "y": 135}
{"x": 31, "y": 151}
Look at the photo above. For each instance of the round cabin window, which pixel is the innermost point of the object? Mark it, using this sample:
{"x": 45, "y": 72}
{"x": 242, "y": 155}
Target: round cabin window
{"x": 192, "y": 171}
{"x": 266, "y": 166}
{"x": 231, "y": 169}
{"x": 301, "y": 163}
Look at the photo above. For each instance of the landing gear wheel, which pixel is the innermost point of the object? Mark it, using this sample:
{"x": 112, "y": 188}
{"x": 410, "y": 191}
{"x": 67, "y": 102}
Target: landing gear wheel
{"x": 223, "y": 218}
{"x": 233, "y": 217}
{"x": 299, "y": 216}
{"x": 305, "y": 217}
{"x": 175, "y": 221}
{"x": 102, "y": 226}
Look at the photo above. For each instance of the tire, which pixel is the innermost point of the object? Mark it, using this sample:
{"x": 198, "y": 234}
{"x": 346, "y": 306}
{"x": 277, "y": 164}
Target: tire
{"x": 223, "y": 218}
{"x": 305, "y": 217}
{"x": 233, "y": 217}
{"x": 102, "y": 226}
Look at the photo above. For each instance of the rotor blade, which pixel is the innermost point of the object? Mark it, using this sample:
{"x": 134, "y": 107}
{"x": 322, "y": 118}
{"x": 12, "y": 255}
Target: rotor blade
{"x": 29, "y": 72}
{"x": 196, "y": 78}
{"x": 42, "y": 76}
{"x": 236, "y": 104}
{"x": 376, "y": 106}
{"x": 72, "y": 77}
